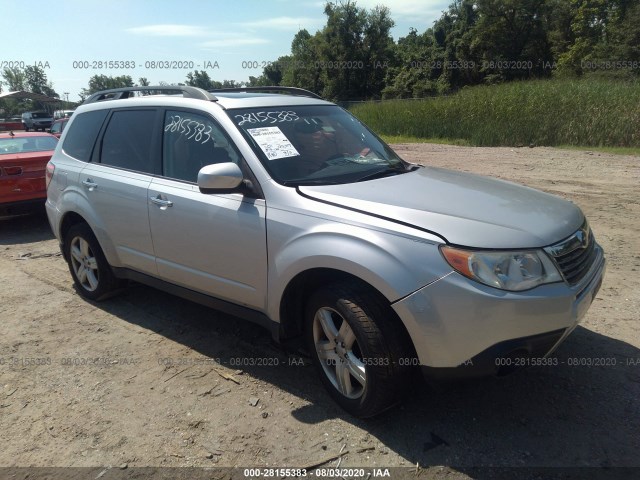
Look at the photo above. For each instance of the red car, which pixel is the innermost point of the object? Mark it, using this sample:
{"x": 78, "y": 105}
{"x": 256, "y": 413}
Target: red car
{"x": 57, "y": 127}
{"x": 23, "y": 161}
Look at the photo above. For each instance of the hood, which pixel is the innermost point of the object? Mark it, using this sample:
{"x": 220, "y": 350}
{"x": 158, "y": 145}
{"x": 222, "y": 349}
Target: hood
{"x": 465, "y": 209}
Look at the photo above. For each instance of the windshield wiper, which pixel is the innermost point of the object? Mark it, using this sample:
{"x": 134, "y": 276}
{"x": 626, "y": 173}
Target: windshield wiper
{"x": 387, "y": 172}
{"x": 302, "y": 183}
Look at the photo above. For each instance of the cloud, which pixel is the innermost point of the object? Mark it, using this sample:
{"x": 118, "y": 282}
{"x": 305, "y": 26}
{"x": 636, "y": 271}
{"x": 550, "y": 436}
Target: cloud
{"x": 410, "y": 9}
{"x": 210, "y": 39}
{"x": 285, "y": 23}
{"x": 417, "y": 11}
{"x": 169, "y": 30}
{"x": 232, "y": 40}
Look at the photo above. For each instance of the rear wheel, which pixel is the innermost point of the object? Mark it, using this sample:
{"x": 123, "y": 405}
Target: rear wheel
{"x": 358, "y": 348}
{"x": 89, "y": 268}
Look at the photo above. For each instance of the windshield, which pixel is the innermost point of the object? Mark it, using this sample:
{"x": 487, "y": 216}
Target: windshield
{"x": 315, "y": 145}
{"x": 40, "y": 115}
{"x": 27, "y": 144}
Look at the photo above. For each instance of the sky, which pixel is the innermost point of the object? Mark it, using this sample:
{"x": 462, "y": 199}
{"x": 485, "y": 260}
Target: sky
{"x": 72, "y": 40}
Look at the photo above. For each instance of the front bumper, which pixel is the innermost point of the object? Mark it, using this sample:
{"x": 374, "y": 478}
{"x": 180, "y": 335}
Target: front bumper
{"x": 461, "y": 328}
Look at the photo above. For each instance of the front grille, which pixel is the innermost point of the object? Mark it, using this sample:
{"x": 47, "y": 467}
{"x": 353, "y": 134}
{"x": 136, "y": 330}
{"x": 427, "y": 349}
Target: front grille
{"x": 575, "y": 255}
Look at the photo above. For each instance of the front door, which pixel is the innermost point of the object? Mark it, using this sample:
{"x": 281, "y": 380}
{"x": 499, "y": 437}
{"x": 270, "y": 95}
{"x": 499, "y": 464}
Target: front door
{"x": 211, "y": 243}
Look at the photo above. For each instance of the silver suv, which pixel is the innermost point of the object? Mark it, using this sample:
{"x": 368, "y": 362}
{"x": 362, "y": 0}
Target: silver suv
{"x": 282, "y": 208}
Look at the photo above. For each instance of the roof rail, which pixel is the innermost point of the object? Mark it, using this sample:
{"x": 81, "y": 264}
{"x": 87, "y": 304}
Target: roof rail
{"x": 126, "y": 92}
{"x": 300, "y": 92}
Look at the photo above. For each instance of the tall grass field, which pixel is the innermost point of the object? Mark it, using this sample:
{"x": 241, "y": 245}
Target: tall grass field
{"x": 587, "y": 112}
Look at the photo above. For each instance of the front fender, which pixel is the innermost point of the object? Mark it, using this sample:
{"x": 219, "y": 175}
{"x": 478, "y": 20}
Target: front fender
{"x": 394, "y": 265}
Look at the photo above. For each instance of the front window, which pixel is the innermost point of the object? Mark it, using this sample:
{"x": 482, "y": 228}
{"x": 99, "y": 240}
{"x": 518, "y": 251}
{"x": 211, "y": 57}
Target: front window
{"x": 190, "y": 142}
{"x": 40, "y": 115}
{"x": 315, "y": 145}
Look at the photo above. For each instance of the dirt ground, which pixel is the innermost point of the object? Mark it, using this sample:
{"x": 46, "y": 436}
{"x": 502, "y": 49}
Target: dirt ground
{"x": 146, "y": 379}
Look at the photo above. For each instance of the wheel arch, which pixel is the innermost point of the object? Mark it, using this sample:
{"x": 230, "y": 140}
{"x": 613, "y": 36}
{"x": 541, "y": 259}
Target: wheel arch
{"x": 69, "y": 220}
{"x": 299, "y": 289}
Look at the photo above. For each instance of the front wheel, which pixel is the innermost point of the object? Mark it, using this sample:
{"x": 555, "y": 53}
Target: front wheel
{"x": 89, "y": 268}
{"x": 358, "y": 348}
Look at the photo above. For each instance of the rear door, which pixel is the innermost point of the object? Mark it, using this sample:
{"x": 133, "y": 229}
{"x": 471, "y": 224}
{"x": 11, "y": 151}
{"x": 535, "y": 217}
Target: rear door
{"x": 212, "y": 243}
{"x": 115, "y": 184}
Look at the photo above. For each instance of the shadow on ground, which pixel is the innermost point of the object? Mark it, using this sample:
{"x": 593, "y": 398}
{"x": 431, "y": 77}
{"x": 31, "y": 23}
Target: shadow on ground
{"x": 583, "y": 412}
{"x": 26, "y": 228}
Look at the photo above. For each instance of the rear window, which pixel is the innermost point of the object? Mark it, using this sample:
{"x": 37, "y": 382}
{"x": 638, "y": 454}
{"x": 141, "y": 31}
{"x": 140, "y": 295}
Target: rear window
{"x": 27, "y": 144}
{"x": 127, "y": 140}
{"x": 82, "y": 134}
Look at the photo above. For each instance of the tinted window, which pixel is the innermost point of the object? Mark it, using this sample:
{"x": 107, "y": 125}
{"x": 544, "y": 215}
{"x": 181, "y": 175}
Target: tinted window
{"x": 56, "y": 127}
{"x": 192, "y": 141}
{"x": 80, "y": 139}
{"x": 127, "y": 140}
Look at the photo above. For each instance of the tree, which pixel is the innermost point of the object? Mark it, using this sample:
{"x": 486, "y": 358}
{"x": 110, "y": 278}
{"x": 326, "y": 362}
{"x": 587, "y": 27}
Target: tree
{"x": 604, "y": 32}
{"x": 36, "y": 81}
{"x": 624, "y": 37}
{"x": 410, "y": 74}
{"x": 510, "y": 39}
{"x": 144, "y": 82}
{"x": 378, "y": 50}
{"x": 260, "y": 81}
{"x": 104, "y": 82}
{"x": 202, "y": 80}
{"x": 271, "y": 75}
{"x": 31, "y": 79}
{"x": 230, "y": 84}
{"x": 14, "y": 79}
{"x": 347, "y": 59}
{"x": 301, "y": 69}
{"x": 559, "y": 17}
{"x": 342, "y": 51}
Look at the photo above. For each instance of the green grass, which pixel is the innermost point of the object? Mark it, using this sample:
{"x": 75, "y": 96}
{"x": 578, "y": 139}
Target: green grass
{"x": 406, "y": 139}
{"x": 587, "y": 113}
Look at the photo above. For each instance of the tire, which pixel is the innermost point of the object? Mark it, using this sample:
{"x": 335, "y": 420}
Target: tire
{"x": 26, "y": 129}
{"x": 356, "y": 345}
{"x": 92, "y": 274}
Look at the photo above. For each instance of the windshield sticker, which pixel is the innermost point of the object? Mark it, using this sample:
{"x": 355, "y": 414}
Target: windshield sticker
{"x": 267, "y": 117}
{"x": 273, "y": 142}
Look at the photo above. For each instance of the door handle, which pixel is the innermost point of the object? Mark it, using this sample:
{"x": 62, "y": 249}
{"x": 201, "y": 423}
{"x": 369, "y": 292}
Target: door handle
{"x": 90, "y": 184}
{"x": 161, "y": 202}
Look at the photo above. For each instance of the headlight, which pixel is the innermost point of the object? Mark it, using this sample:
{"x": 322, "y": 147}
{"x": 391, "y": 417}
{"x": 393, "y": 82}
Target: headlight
{"x": 514, "y": 271}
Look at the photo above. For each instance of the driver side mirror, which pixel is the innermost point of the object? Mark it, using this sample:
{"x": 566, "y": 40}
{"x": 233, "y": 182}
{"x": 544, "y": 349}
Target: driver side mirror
{"x": 220, "y": 177}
